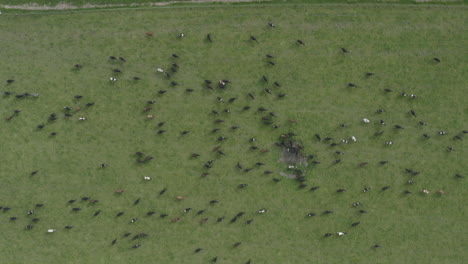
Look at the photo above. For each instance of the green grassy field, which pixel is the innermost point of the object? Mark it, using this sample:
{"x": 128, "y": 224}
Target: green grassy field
{"x": 397, "y": 43}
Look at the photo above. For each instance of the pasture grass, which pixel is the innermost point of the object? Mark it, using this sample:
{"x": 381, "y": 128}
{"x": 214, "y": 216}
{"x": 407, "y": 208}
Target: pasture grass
{"x": 396, "y": 43}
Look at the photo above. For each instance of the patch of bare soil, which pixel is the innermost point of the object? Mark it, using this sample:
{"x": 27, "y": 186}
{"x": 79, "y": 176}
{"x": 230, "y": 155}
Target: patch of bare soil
{"x": 293, "y": 155}
{"x": 67, "y": 6}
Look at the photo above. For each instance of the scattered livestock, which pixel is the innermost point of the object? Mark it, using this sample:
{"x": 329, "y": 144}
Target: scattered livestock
{"x": 223, "y": 84}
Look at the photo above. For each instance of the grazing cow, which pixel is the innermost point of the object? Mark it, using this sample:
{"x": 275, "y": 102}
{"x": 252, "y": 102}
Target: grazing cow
{"x": 149, "y": 34}
{"x": 13, "y": 218}
{"x": 399, "y": 127}
{"x": 300, "y": 42}
{"x": 356, "y": 204}
{"x": 385, "y": 188}
{"x": 340, "y": 190}
{"x": 51, "y": 230}
{"x": 370, "y": 74}
{"x": 412, "y": 112}
{"x": 270, "y": 56}
{"x": 208, "y": 36}
{"x": 328, "y": 234}
{"x": 186, "y": 210}
{"x": 355, "y": 224}
{"x": 200, "y": 212}
{"x": 150, "y": 213}
{"x": 272, "y": 63}
{"x": 246, "y": 108}
{"x": 220, "y": 219}
{"x": 136, "y": 78}
{"x": 203, "y": 220}
{"x": 243, "y": 185}
{"x": 388, "y": 90}
{"x": 344, "y": 50}
{"x": 281, "y": 95}
{"x": 114, "y": 241}
{"x": 426, "y": 135}
{"x": 134, "y": 220}
{"x": 112, "y": 57}
{"x": 436, "y": 59}
{"x": 97, "y": 212}
{"x": 175, "y": 55}
{"x": 198, "y": 250}
{"x": 68, "y": 227}
{"x": 341, "y": 233}
{"x": 237, "y": 244}
{"x": 76, "y": 209}
{"x": 442, "y": 132}
{"x": 136, "y": 246}
{"x": 163, "y": 215}
{"x": 311, "y": 214}
{"x": 271, "y": 25}
{"x": 162, "y": 191}
{"x": 35, "y": 220}
{"x": 327, "y": 212}
{"x": 136, "y": 201}
{"x": 10, "y": 81}
{"x": 254, "y": 38}
{"x": 265, "y": 78}
{"x": 248, "y": 222}
{"x": 120, "y": 214}
{"x": 362, "y": 212}
{"x": 233, "y": 220}
{"x": 175, "y": 219}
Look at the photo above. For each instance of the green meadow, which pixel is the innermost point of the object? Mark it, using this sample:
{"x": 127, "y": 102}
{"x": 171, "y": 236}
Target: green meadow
{"x": 395, "y": 42}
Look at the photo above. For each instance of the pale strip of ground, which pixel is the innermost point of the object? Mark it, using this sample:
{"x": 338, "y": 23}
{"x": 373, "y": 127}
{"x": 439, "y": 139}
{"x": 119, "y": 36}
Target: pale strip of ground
{"x": 67, "y": 6}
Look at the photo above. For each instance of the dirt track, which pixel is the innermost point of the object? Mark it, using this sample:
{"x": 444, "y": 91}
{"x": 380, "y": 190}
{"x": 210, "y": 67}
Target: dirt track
{"x": 65, "y": 6}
